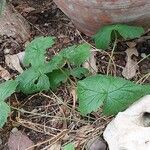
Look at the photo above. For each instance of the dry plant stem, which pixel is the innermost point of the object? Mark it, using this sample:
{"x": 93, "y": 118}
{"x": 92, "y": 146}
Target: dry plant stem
{"x": 67, "y": 75}
{"x": 71, "y": 108}
{"x": 51, "y": 140}
{"x": 48, "y": 116}
{"x": 95, "y": 49}
{"x": 40, "y": 127}
{"x": 143, "y": 79}
{"x": 111, "y": 56}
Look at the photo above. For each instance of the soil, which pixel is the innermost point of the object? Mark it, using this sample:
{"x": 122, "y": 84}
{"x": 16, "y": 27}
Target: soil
{"x": 44, "y": 116}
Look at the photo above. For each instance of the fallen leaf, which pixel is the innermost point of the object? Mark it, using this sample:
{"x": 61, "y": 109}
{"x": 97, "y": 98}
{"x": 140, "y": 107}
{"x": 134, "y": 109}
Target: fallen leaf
{"x": 83, "y": 131}
{"x": 91, "y": 64}
{"x": 28, "y": 9}
{"x": 4, "y": 74}
{"x": 21, "y": 56}
{"x": 129, "y": 71}
{"x": 95, "y": 143}
{"x": 56, "y": 146}
{"x": 19, "y": 141}
{"x": 74, "y": 96}
{"x": 13, "y": 62}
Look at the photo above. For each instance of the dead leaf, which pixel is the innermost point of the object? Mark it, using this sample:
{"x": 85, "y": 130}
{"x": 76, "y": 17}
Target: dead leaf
{"x": 13, "y": 62}
{"x": 74, "y": 96}
{"x": 21, "y": 56}
{"x": 28, "y": 9}
{"x": 4, "y": 74}
{"x": 91, "y": 63}
{"x": 84, "y": 131}
{"x": 95, "y": 143}
{"x": 129, "y": 71}
{"x": 131, "y": 44}
{"x": 19, "y": 141}
{"x": 56, "y": 146}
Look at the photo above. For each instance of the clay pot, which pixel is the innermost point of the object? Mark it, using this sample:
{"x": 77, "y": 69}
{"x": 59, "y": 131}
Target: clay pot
{"x": 90, "y": 15}
{"x": 14, "y": 25}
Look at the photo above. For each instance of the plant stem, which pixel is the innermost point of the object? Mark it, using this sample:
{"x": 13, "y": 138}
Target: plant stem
{"x": 111, "y": 56}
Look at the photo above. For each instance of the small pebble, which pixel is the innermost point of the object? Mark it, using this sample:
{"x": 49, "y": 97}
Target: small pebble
{"x": 14, "y": 130}
{"x": 19, "y": 141}
{"x": 6, "y": 51}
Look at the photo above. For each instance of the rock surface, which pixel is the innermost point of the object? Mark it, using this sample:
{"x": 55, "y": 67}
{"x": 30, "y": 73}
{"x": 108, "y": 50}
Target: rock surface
{"x": 130, "y": 130}
{"x": 19, "y": 141}
{"x": 96, "y": 144}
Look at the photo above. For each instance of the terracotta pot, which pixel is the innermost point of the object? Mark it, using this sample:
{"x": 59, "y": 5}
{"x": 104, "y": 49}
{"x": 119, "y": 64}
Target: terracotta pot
{"x": 14, "y": 25}
{"x": 90, "y": 15}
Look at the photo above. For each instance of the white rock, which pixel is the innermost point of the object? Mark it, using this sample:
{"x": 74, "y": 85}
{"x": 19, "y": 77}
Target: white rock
{"x": 130, "y": 130}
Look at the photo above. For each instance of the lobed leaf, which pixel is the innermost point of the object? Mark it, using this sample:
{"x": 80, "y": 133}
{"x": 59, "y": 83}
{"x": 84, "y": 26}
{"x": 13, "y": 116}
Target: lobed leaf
{"x": 129, "y": 32}
{"x": 7, "y": 88}
{"x": 43, "y": 83}
{"x": 31, "y": 81}
{"x": 76, "y": 55}
{"x": 58, "y": 76}
{"x": 35, "y": 51}
{"x": 4, "y": 112}
{"x": 55, "y": 63}
{"x": 79, "y": 72}
{"x": 115, "y": 94}
{"x": 103, "y": 38}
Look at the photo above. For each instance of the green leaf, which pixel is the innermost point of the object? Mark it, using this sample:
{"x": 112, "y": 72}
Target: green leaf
{"x": 103, "y": 38}
{"x": 43, "y": 83}
{"x": 2, "y": 5}
{"x": 69, "y": 146}
{"x": 115, "y": 94}
{"x": 31, "y": 81}
{"x": 79, "y": 72}
{"x": 129, "y": 32}
{"x": 76, "y": 55}
{"x": 7, "y": 88}
{"x": 4, "y": 112}
{"x": 35, "y": 51}
{"x": 58, "y": 76}
{"x": 56, "y": 63}
{"x": 27, "y": 81}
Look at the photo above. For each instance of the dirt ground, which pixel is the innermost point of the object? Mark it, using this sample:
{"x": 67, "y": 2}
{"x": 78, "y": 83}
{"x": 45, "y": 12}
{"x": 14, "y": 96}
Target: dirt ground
{"x": 49, "y": 117}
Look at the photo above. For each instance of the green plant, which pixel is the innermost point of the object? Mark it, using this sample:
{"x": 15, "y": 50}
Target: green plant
{"x": 69, "y": 146}
{"x": 6, "y": 89}
{"x": 43, "y": 75}
{"x": 113, "y": 93}
{"x": 107, "y": 34}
